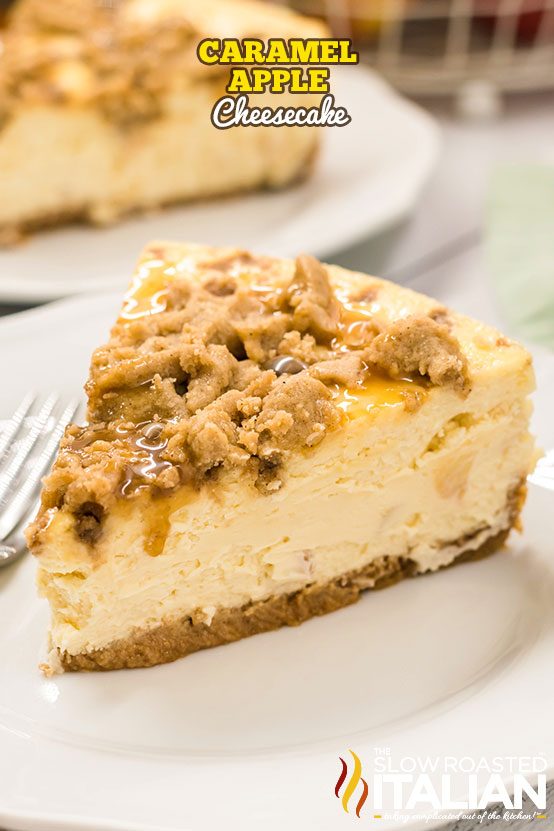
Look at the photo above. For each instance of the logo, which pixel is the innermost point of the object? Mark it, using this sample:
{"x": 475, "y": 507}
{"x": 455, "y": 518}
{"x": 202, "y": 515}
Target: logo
{"x": 352, "y": 784}
{"x": 443, "y": 787}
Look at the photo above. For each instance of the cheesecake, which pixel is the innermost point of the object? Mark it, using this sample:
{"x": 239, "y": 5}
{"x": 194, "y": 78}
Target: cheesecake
{"x": 266, "y": 439}
{"x": 105, "y": 109}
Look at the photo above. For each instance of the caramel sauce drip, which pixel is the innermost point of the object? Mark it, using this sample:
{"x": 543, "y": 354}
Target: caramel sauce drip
{"x": 356, "y": 329}
{"x": 148, "y": 293}
{"x": 356, "y": 325}
{"x": 155, "y": 510}
{"x": 144, "y": 446}
{"x": 376, "y": 392}
{"x": 89, "y": 435}
{"x": 149, "y": 290}
{"x": 157, "y": 522}
{"x": 146, "y": 463}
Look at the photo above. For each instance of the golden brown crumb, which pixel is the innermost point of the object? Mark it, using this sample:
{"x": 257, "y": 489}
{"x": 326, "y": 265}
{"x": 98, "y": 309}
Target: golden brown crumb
{"x": 60, "y": 15}
{"x": 345, "y": 370}
{"x": 114, "y": 54}
{"x": 419, "y": 344}
{"x": 441, "y": 315}
{"x": 315, "y": 308}
{"x": 62, "y": 51}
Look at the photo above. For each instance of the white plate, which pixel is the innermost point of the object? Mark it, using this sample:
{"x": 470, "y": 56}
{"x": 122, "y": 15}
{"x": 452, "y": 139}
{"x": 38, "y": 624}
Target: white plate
{"x": 249, "y": 736}
{"x": 368, "y": 176}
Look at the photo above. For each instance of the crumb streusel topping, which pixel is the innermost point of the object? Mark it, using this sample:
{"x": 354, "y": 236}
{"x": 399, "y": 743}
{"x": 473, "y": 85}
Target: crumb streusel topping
{"x": 233, "y": 361}
{"x": 123, "y": 55}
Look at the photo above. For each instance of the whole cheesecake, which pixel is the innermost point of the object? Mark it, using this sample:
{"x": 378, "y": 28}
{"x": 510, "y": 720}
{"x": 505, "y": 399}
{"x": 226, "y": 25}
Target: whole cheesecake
{"x": 266, "y": 439}
{"x": 105, "y": 109}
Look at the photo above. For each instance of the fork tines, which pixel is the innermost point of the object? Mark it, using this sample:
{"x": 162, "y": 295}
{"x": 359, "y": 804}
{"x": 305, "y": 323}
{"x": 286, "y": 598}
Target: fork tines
{"x": 28, "y": 443}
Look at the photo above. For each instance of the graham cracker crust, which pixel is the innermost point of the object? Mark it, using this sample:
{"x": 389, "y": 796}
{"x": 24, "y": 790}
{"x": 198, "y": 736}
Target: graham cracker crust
{"x": 178, "y": 638}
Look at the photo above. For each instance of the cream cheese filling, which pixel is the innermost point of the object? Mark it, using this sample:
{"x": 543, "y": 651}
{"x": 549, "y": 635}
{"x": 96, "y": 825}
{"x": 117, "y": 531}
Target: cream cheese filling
{"x": 388, "y": 484}
{"x": 61, "y": 160}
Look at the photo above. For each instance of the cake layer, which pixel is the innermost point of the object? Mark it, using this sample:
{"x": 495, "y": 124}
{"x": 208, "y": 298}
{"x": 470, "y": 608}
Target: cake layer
{"x": 383, "y": 485}
{"x": 107, "y": 115}
{"x": 184, "y": 635}
{"x": 62, "y": 165}
{"x": 263, "y": 431}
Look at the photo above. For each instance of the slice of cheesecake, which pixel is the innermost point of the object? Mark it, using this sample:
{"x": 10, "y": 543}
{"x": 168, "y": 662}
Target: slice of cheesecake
{"x": 267, "y": 439}
{"x": 105, "y": 109}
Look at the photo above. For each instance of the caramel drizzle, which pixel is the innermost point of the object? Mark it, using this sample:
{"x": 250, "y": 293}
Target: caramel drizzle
{"x": 148, "y": 293}
{"x": 376, "y": 392}
{"x": 145, "y": 446}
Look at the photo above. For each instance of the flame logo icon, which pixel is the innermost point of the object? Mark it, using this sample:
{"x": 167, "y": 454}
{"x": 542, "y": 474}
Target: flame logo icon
{"x": 352, "y": 784}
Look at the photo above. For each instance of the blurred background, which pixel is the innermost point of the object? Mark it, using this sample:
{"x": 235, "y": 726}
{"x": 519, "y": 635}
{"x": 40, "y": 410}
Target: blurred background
{"x": 483, "y": 231}
{"x": 438, "y": 47}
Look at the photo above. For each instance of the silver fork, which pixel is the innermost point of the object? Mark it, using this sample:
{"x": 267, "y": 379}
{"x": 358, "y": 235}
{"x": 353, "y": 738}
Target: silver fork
{"x": 27, "y": 446}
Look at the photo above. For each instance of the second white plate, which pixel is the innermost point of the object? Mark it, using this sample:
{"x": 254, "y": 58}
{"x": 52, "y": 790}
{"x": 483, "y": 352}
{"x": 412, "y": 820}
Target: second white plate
{"x": 367, "y": 177}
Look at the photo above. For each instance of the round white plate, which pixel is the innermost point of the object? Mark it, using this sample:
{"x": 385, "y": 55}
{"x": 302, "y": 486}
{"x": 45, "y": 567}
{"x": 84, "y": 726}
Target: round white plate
{"x": 248, "y": 736}
{"x": 368, "y": 176}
